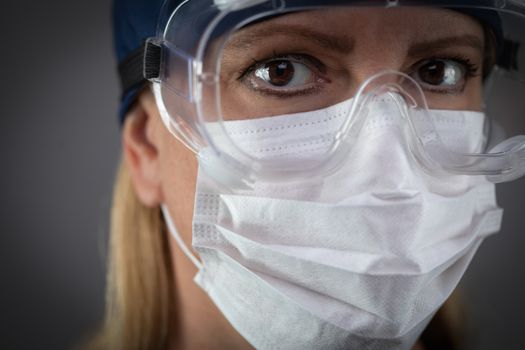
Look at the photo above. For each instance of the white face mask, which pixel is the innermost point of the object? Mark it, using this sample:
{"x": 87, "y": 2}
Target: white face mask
{"x": 361, "y": 259}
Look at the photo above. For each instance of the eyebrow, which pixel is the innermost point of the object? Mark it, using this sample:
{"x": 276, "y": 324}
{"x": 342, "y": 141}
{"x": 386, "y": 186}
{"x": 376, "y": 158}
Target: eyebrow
{"x": 420, "y": 49}
{"x": 340, "y": 44}
{"x": 344, "y": 44}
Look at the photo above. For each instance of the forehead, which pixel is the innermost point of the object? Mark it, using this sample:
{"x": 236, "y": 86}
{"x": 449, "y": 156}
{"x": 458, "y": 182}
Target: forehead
{"x": 365, "y": 24}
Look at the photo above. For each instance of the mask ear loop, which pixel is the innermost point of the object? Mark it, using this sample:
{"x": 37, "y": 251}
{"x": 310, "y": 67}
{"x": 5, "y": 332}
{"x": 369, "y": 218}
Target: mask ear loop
{"x": 178, "y": 239}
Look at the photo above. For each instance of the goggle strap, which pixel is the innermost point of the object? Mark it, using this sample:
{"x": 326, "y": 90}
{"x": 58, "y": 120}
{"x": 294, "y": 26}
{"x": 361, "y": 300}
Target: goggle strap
{"x": 141, "y": 65}
{"x": 131, "y": 70}
{"x": 152, "y": 60}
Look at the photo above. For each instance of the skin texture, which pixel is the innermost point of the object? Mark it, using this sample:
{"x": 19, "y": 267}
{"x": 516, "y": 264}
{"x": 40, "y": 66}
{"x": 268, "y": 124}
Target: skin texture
{"x": 163, "y": 170}
{"x": 354, "y": 55}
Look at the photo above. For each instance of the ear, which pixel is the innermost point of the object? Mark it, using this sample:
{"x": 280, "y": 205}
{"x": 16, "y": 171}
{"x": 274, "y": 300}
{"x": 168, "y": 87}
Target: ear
{"x": 140, "y": 140}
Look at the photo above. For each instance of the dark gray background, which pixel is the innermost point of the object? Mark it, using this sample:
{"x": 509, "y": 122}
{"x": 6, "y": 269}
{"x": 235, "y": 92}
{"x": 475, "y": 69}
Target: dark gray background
{"x": 59, "y": 146}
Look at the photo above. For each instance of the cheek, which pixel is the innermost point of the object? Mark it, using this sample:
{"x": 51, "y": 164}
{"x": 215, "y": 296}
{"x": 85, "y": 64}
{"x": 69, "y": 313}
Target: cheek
{"x": 179, "y": 173}
{"x": 477, "y": 94}
{"x": 470, "y": 99}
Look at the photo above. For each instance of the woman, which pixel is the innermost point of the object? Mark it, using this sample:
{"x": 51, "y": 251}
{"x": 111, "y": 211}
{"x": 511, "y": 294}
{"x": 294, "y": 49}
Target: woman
{"x": 332, "y": 169}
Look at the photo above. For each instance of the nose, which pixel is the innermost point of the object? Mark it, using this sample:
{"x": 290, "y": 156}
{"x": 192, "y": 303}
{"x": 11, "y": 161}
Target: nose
{"x": 382, "y": 158}
{"x": 393, "y": 82}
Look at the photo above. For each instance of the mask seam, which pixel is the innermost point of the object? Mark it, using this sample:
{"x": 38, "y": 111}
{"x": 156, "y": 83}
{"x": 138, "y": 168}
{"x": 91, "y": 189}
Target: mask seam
{"x": 324, "y": 140}
{"x": 289, "y": 126}
{"x": 298, "y": 125}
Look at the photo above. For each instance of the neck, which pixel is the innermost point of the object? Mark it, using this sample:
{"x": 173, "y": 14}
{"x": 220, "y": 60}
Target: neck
{"x": 199, "y": 324}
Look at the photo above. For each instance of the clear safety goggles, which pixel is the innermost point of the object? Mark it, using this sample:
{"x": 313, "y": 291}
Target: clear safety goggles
{"x": 225, "y": 71}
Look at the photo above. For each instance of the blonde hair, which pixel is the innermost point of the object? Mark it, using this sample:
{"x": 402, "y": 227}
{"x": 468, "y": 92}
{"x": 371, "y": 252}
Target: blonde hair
{"x": 139, "y": 280}
{"x": 140, "y": 283}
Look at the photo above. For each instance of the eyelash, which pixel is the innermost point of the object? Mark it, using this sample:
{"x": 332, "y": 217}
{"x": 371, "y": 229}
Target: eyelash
{"x": 305, "y": 59}
{"x": 255, "y": 63}
{"x": 470, "y": 70}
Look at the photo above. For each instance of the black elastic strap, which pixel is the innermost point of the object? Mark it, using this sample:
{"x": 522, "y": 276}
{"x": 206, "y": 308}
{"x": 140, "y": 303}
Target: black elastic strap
{"x": 141, "y": 65}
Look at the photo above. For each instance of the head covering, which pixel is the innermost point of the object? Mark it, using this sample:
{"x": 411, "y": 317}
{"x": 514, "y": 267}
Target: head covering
{"x": 134, "y": 21}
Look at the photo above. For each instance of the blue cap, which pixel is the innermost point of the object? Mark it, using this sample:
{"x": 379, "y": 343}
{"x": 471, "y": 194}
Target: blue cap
{"x": 133, "y": 22}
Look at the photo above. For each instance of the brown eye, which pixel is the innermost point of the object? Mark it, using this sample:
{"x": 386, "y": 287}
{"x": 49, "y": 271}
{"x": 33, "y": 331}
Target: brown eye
{"x": 441, "y": 73}
{"x": 284, "y": 73}
{"x": 278, "y": 73}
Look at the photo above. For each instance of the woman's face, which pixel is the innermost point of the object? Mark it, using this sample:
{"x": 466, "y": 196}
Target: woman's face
{"x": 311, "y": 60}
{"x": 316, "y": 59}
